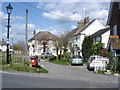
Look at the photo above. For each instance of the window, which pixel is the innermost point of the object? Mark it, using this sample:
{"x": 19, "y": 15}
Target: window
{"x": 115, "y": 30}
{"x": 98, "y": 39}
{"x": 76, "y": 38}
{"x": 39, "y": 50}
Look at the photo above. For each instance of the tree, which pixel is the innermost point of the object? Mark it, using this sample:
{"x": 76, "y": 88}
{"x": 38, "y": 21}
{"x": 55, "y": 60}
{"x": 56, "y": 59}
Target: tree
{"x": 62, "y": 44}
{"x": 20, "y": 45}
{"x": 97, "y": 47}
{"x": 87, "y": 49}
{"x": 16, "y": 47}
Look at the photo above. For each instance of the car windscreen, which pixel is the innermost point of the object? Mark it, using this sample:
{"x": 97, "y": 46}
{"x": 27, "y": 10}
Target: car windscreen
{"x": 92, "y": 58}
{"x": 77, "y": 57}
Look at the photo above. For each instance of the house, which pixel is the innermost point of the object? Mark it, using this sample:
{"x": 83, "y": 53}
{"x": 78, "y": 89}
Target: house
{"x": 3, "y": 45}
{"x": 86, "y": 28}
{"x": 114, "y": 23}
{"x": 42, "y": 43}
{"x": 102, "y": 35}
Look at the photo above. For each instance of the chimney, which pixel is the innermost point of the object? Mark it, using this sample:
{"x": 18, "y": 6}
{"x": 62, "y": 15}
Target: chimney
{"x": 86, "y": 20}
{"x": 34, "y": 33}
{"x": 80, "y": 24}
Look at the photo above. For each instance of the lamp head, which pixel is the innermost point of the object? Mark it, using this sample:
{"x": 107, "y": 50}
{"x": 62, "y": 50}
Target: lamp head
{"x": 9, "y": 9}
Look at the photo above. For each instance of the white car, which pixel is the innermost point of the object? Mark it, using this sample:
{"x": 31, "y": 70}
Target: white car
{"x": 98, "y": 62}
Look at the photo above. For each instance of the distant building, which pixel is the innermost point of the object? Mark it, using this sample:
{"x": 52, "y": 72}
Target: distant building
{"x": 114, "y": 22}
{"x": 3, "y": 45}
{"x": 42, "y": 43}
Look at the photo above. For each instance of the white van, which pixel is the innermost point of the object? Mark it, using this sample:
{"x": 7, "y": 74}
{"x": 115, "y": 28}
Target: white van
{"x": 97, "y": 62}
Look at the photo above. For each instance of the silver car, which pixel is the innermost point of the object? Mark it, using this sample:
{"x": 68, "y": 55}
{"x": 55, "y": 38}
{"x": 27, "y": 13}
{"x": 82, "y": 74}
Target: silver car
{"x": 76, "y": 60}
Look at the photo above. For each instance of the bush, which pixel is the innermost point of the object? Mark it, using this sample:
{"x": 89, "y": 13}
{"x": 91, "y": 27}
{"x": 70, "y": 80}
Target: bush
{"x": 52, "y": 58}
{"x": 114, "y": 63}
{"x": 65, "y": 59}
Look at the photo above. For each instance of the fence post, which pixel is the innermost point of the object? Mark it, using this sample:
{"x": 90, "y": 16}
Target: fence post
{"x": 95, "y": 65}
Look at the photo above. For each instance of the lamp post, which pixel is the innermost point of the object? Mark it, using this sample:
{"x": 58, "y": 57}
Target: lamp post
{"x": 9, "y": 10}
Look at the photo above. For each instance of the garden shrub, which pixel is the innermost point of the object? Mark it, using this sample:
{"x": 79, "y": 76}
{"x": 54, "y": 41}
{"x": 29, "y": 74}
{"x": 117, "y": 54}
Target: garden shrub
{"x": 52, "y": 58}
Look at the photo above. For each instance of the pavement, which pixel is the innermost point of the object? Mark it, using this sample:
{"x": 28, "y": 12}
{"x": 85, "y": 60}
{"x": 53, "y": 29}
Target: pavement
{"x": 69, "y": 75}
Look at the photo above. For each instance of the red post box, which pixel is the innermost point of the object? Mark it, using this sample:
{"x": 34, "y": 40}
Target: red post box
{"x": 34, "y": 61}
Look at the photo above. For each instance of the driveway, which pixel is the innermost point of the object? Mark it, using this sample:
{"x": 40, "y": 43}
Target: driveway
{"x": 79, "y": 73}
{"x": 59, "y": 76}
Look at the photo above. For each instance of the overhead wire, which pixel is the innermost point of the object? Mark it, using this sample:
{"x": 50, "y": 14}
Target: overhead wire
{"x": 35, "y": 21}
{"x": 44, "y": 10}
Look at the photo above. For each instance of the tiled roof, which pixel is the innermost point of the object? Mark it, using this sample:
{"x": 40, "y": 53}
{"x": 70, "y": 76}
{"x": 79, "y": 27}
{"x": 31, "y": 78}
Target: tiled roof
{"x": 100, "y": 32}
{"x": 82, "y": 29}
{"x": 115, "y": 42}
{"x": 44, "y": 35}
{"x": 70, "y": 34}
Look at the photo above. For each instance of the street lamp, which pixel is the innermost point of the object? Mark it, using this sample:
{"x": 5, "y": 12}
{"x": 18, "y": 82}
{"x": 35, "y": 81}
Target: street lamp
{"x": 9, "y": 10}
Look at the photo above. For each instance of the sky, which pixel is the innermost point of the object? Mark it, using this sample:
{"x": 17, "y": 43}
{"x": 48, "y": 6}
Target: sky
{"x": 55, "y": 17}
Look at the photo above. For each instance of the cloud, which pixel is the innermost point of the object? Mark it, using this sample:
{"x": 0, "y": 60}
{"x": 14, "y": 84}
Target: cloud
{"x": 73, "y": 26}
{"x": 17, "y": 18}
{"x": 17, "y": 31}
{"x": 3, "y": 17}
{"x": 65, "y": 12}
{"x": 56, "y": 30}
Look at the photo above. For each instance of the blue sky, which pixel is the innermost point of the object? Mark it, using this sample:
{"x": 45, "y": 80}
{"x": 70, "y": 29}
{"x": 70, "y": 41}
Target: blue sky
{"x": 56, "y": 17}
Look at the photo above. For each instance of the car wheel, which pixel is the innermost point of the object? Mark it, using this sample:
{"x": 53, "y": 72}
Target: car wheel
{"x": 89, "y": 68}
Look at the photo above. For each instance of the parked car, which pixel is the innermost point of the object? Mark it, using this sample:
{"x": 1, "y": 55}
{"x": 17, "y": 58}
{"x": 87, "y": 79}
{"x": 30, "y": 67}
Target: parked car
{"x": 99, "y": 61}
{"x": 76, "y": 60}
{"x": 46, "y": 55}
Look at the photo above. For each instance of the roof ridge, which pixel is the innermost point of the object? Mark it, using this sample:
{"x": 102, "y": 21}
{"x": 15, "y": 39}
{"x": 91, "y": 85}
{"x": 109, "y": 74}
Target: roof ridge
{"x": 84, "y": 27}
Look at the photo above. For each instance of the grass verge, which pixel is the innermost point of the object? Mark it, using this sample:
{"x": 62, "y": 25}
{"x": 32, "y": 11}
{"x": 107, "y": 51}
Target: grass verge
{"x": 24, "y": 68}
{"x": 60, "y": 62}
{"x": 101, "y": 71}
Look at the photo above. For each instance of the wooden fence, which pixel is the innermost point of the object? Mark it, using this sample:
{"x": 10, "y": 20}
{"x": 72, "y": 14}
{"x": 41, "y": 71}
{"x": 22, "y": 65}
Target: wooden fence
{"x": 13, "y": 58}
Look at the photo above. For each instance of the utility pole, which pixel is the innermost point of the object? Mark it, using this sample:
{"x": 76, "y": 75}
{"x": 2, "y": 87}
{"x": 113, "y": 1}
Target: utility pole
{"x": 26, "y": 31}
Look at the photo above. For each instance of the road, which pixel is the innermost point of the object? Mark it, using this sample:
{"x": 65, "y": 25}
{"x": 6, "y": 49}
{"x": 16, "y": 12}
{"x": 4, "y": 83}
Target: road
{"x": 59, "y": 77}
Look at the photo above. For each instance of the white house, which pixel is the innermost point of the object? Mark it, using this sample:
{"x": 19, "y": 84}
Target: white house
{"x": 102, "y": 35}
{"x": 86, "y": 29}
{"x": 42, "y": 43}
{"x": 3, "y": 45}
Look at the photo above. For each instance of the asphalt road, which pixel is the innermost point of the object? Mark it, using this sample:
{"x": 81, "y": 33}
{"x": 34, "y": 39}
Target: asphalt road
{"x": 59, "y": 77}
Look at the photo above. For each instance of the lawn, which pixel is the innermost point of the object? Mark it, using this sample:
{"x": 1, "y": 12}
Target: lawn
{"x": 18, "y": 63}
{"x": 23, "y": 68}
{"x": 60, "y": 62}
